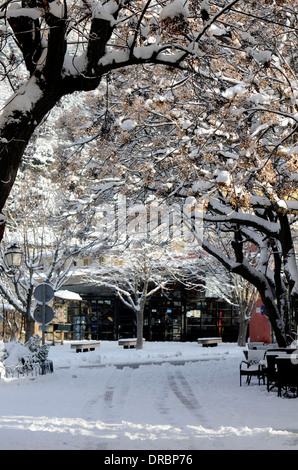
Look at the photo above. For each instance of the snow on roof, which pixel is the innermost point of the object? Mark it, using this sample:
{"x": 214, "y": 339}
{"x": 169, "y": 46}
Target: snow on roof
{"x": 67, "y": 295}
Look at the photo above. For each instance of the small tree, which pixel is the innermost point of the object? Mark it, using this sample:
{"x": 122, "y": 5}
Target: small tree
{"x": 134, "y": 279}
{"x": 17, "y": 285}
{"x": 48, "y": 253}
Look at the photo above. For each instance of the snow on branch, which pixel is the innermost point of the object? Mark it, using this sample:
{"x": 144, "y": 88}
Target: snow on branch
{"x": 247, "y": 220}
{"x": 21, "y": 102}
{"x": 11, "y": 299}
{"x": 175, "y": 8}
{"x": 15, "y": 12}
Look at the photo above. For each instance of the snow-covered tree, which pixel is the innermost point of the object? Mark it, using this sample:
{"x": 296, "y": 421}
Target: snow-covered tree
{"x": 41, "y": 263}
{"x": 142, "y": 266}
{"x": 237, "y": 151}
{"x": 134, "y": 277}
{"x": 66, "y": 47}
{"x": 229, "y": 138}
{"x": 207, "y": 162}
{"x": 69, "y": 46}
{"x": 49, "y": 243}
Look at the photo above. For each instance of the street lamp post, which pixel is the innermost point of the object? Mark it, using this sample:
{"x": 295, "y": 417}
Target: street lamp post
{"x": 13, "y": 256}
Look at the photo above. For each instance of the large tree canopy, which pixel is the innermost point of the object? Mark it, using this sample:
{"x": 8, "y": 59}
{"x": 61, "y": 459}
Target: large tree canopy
{"x": 225, "y": 133}
{"x": 69, "y": 46}
{"x": 230, "y": 139}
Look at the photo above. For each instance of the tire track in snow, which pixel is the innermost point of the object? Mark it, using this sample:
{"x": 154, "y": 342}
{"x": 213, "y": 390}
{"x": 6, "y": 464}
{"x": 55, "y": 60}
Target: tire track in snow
{"x": 101, "y": 405}
{"x": 104, "y": 411}
{"x": 183, "y": 391}
{"x": 115, "y": 396}
{"x": 178, "y": 416}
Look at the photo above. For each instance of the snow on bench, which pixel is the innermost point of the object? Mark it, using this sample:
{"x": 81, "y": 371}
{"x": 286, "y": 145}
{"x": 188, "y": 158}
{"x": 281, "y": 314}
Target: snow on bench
{"x": 209, "y": 341}
{"x": 83, "y": 347}
{"x": 128, "y": 342}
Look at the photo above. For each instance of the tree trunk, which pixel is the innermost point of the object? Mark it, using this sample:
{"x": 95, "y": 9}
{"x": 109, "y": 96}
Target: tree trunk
{"x": 16, "y": 129}
{"x": 247, "y": 306}
{"x": 140, "y": 327}
{"x": 277, "y": 318}
{"x": 29, "y": 325}
{"x": 242, "y": 333}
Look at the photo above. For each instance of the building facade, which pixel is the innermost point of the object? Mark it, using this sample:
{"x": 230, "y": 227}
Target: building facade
{"x": 177, "y": 315}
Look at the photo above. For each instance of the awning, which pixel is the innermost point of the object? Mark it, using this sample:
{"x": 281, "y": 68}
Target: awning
{"x": 67, "y": 295}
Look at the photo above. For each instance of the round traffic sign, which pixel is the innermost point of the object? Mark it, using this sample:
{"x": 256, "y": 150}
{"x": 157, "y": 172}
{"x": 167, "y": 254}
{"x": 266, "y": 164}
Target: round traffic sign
{"x": 49, "y": 314}
{"x": 44, "y": 293}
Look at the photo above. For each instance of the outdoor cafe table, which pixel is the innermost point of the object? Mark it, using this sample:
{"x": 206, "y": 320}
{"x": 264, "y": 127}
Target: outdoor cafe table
{"x": 288, "y": 353}
{"x": 272, "y": 371}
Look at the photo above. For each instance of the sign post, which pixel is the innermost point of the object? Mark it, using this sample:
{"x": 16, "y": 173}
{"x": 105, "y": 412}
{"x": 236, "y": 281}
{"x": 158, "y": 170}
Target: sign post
{"x": 43, "y": 294}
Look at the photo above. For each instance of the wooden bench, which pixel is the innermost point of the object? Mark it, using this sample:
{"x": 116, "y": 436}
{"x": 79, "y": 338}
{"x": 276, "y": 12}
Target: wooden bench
{"x": 128, "y": 343}
{"x": 209, "y": 341}
{"x": 83, "y": 347}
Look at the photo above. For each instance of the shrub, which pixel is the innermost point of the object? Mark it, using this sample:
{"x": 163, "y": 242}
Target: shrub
{"x": 32, "y": 352}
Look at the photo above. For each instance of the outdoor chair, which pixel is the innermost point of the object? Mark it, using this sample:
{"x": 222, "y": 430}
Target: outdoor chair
{"x": 251, "y": 367}
{"x": 270, "y": 371}
{"x": 287, "y": 377}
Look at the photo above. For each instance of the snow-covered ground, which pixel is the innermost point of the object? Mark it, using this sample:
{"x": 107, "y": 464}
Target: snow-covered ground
{"x": 168, "y": 396}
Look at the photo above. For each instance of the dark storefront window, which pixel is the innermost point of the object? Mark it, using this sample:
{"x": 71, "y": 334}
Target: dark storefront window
{"x": 156, "y": 319}
{"x": 127, "y": 323}
{"x": 102, "y": 319}
{"x": 193, "y": 319}
{"x": 79, "y": 319}
{"x": 228, "y": 321}
{"x": 211, "y": 318}
{"x": 176, "y": 315}
{"x": 74, "y": 318}
{"x": 173, "y": 321}
{"x": 93, "y": 319}
{"x": 164, "y": 319}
